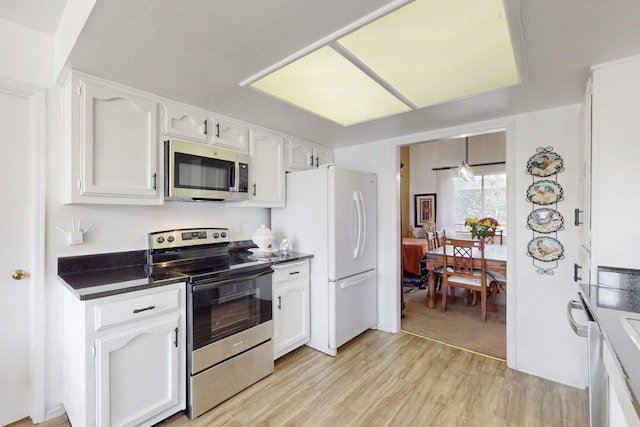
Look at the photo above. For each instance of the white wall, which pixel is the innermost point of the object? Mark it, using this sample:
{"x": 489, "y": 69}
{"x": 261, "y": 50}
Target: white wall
{"x": 115, "y": 229}
{"x": 26, "y": 56}
{"x": 539, "y": 339}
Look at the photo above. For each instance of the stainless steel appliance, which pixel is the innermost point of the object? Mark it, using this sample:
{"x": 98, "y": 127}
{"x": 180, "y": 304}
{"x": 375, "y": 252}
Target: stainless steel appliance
{"x": 229, "y": 311}
{"x": 598, "y": 379}
{"x": 201, "y": 172}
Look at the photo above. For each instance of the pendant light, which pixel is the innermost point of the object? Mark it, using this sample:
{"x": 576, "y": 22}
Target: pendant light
{"x": 464, "y": 170}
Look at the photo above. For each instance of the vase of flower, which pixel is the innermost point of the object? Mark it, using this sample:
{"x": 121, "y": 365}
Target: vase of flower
{"x": 481, "y": 228}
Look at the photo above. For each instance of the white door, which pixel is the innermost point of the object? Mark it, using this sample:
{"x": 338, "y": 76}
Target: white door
{"x": 15, "y": 228}
{"x": 352, "y": 307}
{"x": 352, "y": 217}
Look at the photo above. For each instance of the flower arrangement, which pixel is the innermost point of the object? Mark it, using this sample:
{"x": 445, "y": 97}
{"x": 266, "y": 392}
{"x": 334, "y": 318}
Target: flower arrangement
{"x": 481, "y": 227}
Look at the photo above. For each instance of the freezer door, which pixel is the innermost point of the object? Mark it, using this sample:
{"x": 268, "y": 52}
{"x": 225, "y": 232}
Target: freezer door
{"x": 352, "y": 222}
{"x": 352, "y": 307}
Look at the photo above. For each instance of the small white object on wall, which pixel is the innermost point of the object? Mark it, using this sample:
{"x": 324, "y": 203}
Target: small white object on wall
{"x": 75, "y": 236}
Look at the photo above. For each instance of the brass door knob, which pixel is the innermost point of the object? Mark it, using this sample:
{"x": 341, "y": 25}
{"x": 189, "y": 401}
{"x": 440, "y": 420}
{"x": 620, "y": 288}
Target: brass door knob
{"x": 19, "y": 274}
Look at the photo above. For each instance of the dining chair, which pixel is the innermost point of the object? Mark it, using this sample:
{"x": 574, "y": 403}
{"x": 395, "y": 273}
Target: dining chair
{"x": 459, "y": 272}
{"x": 497, "y": 283}
{"x": 494, "y": 237}
{"x": 436, "y": 240}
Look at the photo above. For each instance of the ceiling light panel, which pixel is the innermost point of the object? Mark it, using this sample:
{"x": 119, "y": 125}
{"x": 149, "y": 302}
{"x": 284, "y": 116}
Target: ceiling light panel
{"x": 432, "y": 51}
{"x": 327, "y": 84}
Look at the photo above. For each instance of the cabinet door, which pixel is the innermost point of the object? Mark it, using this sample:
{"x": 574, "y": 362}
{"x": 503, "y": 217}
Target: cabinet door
{"x": 188, "y": 123}
{"x": 231, "y": 134}
{"x": 299, "y": 154}
{"x": 290, "y": 316}
{"x": 267, "y": 173}
{"x": 582, "y": 218}
{"x": 113, "y": 146}
{"x": 616, "y": 91}
{"x": 137, "y": 372}
{"x": 322, "y": 155}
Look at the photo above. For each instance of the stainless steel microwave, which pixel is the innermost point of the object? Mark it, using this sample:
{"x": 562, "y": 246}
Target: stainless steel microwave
{"x": 195, "y": 171}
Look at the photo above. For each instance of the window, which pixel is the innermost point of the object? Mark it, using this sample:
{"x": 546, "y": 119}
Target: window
{"x": 485, "y": 196}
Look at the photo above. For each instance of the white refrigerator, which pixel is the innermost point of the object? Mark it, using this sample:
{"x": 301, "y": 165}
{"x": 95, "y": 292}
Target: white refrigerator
{"x": 331, "y": 213}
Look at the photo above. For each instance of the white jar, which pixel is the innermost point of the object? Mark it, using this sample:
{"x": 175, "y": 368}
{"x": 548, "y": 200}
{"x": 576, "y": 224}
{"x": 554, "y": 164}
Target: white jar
{"x": 262, "y": 237}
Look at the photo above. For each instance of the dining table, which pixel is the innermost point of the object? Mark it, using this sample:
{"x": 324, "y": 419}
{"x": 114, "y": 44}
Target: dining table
{"x": 495, "y": 256}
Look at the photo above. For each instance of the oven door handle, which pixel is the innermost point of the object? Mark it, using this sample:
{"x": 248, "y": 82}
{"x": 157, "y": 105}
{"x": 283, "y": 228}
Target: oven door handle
{"x": 212, "y": 283}
{"x": 579, "y": 330}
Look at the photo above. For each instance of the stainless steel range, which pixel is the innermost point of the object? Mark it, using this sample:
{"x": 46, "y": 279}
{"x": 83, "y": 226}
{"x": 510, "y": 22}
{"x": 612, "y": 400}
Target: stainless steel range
{"x": 229, "y": 311}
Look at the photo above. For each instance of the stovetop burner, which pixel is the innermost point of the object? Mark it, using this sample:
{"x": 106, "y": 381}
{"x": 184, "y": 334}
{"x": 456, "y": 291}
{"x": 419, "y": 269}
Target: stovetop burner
{"x": 197, "y": 254}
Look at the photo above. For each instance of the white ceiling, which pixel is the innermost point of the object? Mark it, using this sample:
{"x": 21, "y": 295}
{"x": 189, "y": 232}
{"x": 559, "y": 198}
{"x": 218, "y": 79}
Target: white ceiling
{"x": 39, "y": 15}
{"x": 197, "y": 51}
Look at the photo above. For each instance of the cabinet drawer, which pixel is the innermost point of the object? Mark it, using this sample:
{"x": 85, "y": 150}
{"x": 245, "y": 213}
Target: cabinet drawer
{"x": 291, "y": 271}
{"x": 136, "y": 308}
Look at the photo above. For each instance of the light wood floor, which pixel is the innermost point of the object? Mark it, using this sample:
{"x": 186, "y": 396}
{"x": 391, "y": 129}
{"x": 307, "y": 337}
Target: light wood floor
{"x": 383, "y": 379}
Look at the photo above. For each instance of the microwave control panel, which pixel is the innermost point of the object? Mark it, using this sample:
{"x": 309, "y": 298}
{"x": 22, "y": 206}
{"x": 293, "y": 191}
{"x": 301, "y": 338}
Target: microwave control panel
{"x": 243, "y": 184}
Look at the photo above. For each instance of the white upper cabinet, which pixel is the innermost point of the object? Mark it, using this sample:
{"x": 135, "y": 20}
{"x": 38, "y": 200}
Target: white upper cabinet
{"x": 302, "y": 155}
{"x": 231, "y": 134}
{"x": 186, "y": 122}
{"x": 110, "y": 143}
{"x": 614, "y": 162}
{"x": 266, "y": 173}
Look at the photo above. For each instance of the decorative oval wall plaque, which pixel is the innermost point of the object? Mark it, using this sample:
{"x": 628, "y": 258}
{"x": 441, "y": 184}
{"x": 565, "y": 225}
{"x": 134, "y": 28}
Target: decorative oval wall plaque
{"x": 545, "y": 220}
{"x": 545, "y": 249}
{"x": 544, "y": 192}
{"x": 545, "y": 163}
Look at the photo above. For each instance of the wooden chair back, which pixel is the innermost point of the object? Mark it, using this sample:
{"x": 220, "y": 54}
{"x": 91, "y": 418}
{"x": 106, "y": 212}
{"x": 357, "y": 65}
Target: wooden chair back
{"x": 436, "y": 239}
{"x": 495, "y": 237}
{"x": 462, "y": 271}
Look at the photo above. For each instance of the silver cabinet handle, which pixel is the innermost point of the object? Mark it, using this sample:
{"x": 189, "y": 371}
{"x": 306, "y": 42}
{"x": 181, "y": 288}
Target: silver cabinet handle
{"x": 254, "y": 189}
{"x": 205, "y": 127}
{"x": 279, "y": 303}
{"x": 154, "y": 179}
{"x": 579, "y": 330}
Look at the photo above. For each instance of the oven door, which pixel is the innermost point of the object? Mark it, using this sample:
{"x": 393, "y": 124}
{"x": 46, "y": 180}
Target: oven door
{"x": 220, "y": 311}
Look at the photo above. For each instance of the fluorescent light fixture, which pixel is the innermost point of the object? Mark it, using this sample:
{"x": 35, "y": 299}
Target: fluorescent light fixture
{"x": 396, "y": 60}
{"x": 327, "y": 84}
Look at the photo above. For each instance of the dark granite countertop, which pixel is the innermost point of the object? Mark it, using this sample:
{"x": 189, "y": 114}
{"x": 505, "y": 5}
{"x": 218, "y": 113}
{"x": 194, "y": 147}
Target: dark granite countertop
{"x": 101, "y": 275}
{"x": 615, "y": 297}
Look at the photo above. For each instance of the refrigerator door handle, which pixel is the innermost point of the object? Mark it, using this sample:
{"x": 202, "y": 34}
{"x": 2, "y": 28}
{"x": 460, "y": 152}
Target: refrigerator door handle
{"x": 363, "y": 224}
{"x": 356, "y": 202}
{"x": 351, "y": 283}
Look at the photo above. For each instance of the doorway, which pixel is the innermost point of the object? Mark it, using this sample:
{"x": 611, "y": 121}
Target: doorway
{"x": 460, "y": 325}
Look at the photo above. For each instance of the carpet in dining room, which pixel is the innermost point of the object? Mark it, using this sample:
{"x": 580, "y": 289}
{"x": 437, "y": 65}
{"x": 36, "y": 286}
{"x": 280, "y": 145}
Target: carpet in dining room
{"x": 460, "y": 325}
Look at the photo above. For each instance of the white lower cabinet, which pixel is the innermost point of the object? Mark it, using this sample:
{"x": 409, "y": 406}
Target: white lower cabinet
{"x": 125, "y": 357}
{"x": 620, "y": 406}
{"x": 291, "y": 327}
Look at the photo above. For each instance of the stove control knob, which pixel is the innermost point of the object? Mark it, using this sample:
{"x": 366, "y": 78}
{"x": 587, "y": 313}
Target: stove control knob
{"x": 216, "y": 235}
{"x": 224, "y": 234}
{"x": 170, "y": 239}
{"x": 160, "y": 239}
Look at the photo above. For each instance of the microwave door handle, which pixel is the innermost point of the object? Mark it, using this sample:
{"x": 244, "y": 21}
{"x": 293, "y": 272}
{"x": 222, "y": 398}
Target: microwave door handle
{"x": 232, "y": 176}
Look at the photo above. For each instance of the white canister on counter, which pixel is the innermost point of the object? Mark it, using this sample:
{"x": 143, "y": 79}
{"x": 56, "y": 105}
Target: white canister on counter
{"x": 262, "y": 237}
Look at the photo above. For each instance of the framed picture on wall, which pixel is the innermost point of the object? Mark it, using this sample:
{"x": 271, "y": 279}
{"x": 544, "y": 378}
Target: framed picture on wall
{"x": 425, "y": 206}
